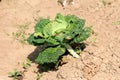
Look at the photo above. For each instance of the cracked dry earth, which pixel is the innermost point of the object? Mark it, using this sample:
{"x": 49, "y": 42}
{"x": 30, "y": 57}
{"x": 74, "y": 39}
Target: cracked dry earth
{"x": 99, "y": 61}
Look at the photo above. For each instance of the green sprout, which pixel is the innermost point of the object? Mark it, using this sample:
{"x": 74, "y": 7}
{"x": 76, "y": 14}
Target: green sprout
{"x": 27, "y": 64}
{"x": 15, "y": 74}
{"x": 104, "y": 2}
{"x": 38, "y": 76}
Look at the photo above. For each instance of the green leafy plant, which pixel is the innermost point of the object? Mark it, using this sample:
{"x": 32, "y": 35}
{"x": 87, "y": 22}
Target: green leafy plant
{"x": 58, "y": 35}
{"x": 15, "y": 74}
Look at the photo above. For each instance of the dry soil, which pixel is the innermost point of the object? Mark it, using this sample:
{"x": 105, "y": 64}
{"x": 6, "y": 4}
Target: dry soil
{"x": 99, "y": 61}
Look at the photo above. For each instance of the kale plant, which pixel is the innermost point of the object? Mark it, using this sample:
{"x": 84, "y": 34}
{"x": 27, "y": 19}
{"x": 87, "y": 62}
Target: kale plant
{"x": 58, "y": 34}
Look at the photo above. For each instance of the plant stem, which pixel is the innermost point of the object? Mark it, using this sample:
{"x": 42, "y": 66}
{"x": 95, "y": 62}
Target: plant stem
{"x": 72, "y": 52}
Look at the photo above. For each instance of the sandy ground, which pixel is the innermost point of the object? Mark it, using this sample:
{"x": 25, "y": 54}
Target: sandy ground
{"x": 99, "y": 61}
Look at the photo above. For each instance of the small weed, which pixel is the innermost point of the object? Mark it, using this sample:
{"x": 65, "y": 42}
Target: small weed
{"x": 15, "y": 75}
{"x": 37, "y": 18}
{"x": 38, "y": 76}
{"x": 27, "y": 64}
{"x": 104, "y": 2}
{"x": 20, "y": 34}
{"x": 94, "y": 40}
{"x": 116, "y": 23}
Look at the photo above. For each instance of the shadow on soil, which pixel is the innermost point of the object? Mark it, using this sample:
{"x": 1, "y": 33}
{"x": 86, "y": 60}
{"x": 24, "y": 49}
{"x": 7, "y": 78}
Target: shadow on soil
{"x": 41, "y": 68}
{"x": 35, "y": 53}
{"x": 51, "y": 66}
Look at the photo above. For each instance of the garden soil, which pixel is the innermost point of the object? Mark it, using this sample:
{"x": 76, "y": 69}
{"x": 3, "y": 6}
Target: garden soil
{"x": 100, "y": 60}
